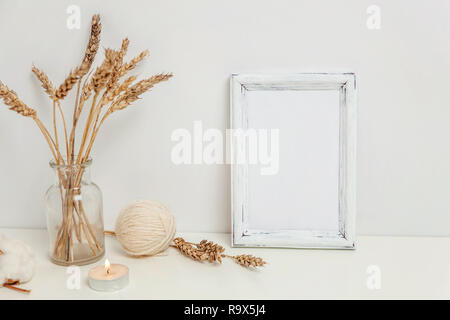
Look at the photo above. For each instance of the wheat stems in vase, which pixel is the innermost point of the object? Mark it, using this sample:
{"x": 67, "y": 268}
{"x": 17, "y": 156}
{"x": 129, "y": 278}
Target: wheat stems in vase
{"x": 100, "y": 92}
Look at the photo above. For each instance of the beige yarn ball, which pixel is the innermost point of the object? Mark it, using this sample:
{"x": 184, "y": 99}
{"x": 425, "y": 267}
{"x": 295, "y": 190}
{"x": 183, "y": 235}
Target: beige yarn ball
{"x": 145, "y": 228}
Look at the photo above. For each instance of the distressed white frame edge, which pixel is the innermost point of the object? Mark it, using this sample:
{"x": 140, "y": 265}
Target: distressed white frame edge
{"x": 346, "y": 238}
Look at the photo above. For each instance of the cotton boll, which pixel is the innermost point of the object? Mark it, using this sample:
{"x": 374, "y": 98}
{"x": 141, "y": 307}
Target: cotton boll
{"x": 17, "y": 261}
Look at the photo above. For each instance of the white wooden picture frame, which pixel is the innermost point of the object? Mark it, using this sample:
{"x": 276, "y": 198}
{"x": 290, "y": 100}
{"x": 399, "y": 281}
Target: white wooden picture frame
{"x": 255, "y": 222}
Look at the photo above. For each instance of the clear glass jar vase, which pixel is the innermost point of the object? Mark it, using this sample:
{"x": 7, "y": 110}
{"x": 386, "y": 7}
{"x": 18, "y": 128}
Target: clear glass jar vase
{"x": 74, "y": 208}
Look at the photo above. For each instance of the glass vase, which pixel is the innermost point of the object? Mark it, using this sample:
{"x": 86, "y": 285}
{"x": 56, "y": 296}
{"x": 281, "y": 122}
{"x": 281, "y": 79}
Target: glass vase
{"x": 74, "y": 216}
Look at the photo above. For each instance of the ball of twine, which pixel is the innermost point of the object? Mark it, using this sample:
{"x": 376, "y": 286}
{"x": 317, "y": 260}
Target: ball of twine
{"x": 145, "y": 228}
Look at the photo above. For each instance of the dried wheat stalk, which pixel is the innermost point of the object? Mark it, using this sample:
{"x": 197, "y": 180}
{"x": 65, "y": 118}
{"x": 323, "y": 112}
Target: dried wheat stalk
{"x": 89, "y": 56}
{"x": 247, "y": 260}
{"x": 213, "y": 252}
{"x": 69, "y": 83}
{"x": 107, "y": 93}
{"x": 48, "y": 87}
{"x": 189, "y": 250}
{"x": 130, "y": 95}
{"x": 45, "y": 82}
{"x": 133, "y": 62}
{"x": 117, "y": 64}
{"x": 121, "y": 88}
{"x": 94, "y": 42}
{"x": 11, "y": 99}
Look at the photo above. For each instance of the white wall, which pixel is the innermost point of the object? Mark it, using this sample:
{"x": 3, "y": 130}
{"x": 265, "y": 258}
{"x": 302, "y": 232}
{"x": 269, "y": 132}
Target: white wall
{"x": 403, "y": 73}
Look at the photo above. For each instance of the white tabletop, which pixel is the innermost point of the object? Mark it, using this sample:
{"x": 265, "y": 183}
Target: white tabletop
{"x": 402, "y": 267}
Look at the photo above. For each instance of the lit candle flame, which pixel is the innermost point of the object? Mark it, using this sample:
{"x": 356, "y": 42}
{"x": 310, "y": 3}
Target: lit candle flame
{"x": 107, "y": 266}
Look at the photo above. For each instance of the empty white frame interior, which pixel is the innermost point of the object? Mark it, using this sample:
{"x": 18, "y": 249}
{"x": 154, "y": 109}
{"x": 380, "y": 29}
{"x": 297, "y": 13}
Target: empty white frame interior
{"x": 297, "y": 136}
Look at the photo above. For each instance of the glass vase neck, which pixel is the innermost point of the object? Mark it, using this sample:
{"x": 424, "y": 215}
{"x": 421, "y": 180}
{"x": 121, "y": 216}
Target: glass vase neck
{"x": 72, "y": 174}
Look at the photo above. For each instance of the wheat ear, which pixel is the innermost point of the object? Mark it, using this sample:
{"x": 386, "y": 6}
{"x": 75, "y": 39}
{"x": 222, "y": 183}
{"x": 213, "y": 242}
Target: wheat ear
{"x": 91, "y": 51}
{"x": 247, "y": 260}
{"x": 94, "y": 41}
{"x": 133, "y": 93}
{"x": 213, "y": 252}
{"x": 117, "y": 64}
{"x": 47, "y": 85}
{"x": 11, "y": 99}
{"x": 112, "y": 84}
{"x": 133, "y": 62}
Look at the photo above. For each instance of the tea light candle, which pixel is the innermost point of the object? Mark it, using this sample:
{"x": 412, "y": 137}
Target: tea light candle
{"x": 110, "y": 277}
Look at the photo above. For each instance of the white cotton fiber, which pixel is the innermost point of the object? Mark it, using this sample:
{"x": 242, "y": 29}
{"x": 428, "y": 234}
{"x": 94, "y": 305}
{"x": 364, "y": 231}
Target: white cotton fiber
{"x": 17, "y": 261}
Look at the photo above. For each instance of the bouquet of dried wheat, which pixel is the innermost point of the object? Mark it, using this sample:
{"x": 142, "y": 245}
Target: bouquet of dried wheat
{"x": 107, "y": 91}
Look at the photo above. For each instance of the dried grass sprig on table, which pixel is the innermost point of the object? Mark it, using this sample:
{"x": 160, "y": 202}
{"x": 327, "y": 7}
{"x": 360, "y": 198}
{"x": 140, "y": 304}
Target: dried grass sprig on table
{"x": 105, "y": 91}
{"x": 213, "y": 252}
{"x": 247, "y": 260}
{"x": 189, "y": 250}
